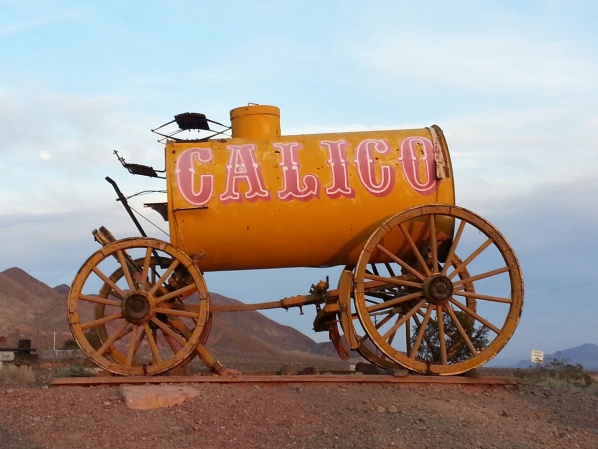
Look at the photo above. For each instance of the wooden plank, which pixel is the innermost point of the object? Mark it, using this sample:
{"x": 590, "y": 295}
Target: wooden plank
{"x": 244, "y": 378}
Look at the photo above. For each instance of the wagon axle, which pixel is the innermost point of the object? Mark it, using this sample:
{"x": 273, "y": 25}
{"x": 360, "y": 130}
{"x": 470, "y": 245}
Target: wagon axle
{"x": 138, "y": 308}
{"x": 437, "y": 289}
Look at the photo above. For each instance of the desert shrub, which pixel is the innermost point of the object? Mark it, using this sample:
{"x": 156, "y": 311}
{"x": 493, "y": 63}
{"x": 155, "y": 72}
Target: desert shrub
{"x": 18, "y": 374}
{"x": 456, "y": 348}
{"x": 70, "y": 344}
{"x": 73, "y": 371}
{"x": 559, "y": 373}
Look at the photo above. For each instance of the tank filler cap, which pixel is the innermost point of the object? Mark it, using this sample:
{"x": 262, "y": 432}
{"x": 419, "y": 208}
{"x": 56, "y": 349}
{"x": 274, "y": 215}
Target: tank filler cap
{"x": 255, "y": 121}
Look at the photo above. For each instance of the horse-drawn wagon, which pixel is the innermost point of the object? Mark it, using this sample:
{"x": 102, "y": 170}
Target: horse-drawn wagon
{"x": 426, "y": 284}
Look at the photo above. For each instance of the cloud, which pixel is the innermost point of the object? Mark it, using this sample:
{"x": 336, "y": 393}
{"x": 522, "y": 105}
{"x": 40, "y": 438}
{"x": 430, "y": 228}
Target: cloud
{"x": 489, "y": 50}
{"x": 69, "y": 139}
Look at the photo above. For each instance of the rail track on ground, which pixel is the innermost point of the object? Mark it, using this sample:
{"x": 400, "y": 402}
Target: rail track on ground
{"x": 280, "y": 379}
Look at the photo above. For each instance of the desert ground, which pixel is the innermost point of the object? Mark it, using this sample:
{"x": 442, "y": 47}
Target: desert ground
{"x": 300, "y": 415}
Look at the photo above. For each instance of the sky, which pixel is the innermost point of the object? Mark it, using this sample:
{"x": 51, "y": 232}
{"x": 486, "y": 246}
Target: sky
{"x": 513, "y": 85}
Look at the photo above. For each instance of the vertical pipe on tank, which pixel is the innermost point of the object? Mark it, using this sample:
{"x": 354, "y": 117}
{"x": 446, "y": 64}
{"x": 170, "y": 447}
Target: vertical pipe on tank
{"x": 259, "y": 122}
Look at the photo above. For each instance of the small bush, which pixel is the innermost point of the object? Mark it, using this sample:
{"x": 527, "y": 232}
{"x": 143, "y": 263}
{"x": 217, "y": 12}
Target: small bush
{"x": 559, "y": 373}
{"x": 70, "y": 344}
{"x": 73, "y": 371}
{"x": 16, "y": 374}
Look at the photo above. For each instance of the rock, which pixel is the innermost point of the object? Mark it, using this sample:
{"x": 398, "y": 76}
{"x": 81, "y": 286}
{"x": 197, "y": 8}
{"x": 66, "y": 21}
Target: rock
{"x": 393, "y": 409}
{"x": 148, "y": 397}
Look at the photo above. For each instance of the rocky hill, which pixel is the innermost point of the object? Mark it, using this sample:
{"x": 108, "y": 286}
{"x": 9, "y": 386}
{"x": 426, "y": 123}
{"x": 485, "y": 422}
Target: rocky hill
{"x": 30, "y": 310}
{"x": 33, "y": 310}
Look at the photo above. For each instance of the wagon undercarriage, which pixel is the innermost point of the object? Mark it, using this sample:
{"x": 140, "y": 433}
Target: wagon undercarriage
{"x": 448, "y": 307}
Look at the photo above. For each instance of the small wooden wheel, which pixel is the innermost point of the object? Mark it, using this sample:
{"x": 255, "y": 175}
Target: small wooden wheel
{"x": 107, "y": 291}
{"x": 146, "y": 318}
{"x": 442, "y": 314}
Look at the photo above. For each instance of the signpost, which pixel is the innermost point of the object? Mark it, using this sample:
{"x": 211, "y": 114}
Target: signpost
{"x": 7, "y": 356}
{"x": 537, "y": 356}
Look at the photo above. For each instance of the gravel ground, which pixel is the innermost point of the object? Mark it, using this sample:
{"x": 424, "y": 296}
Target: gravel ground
{"x": 303, "y": 415}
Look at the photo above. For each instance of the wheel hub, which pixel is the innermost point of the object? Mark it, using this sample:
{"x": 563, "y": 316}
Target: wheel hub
{"x": 138, "y": 308}
{"x": 438, "y": 289}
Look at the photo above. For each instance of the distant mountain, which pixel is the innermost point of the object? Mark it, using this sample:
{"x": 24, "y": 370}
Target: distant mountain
{"x": 585, "y": 355}
{"x": 31, "y": 310}
{"x": 35, "y": 311}
{"x": 63, "y": 289}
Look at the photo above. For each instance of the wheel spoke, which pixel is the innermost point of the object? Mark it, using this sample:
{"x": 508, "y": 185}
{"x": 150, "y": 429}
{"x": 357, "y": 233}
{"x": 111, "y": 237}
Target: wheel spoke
{"x": 382, "y": 281}
{"x": 403, "y": 319}
{"x": 108, "y": 281}
{"x": 176, "y": 323}
{"x": 102, "y": 321}
{"x": 403, "y": 264}
{"x": 420, "y": 333}
{"x": 178, "y": 312}
{"x": 374, "y": 269}
{"x": 164, "y": 277}
{"x": 473, "y": 255}
{"x": 433, "y": 243}
{"x": 176, "y": 293}
{"x": 99, "y": 300}
{"x": 133, "y": 346}
{"x": 441, "y": 334}
{"x": 407, "y": 337}
{"x": 475, "y": 295}
{"x": 119, "y": 333}
{"x": 152, "y": 343}
{"x": 172, "y": 344}
{"x": 146, "y": 266}
{"x": 415, "y": 250}
{"x": 480, "y": 276}
{"x": 477, "y": 317}
{"x": 390, "y": 270}
{"x": 168, "y": 331}
{"x": 384, "y": 320}
{"x": 426, "y": 337}
{"x": 464, "y": 335}
{"x": 449, "y": 258}
{"x": 125, "y": 268}
{"x": 394, "y": 302}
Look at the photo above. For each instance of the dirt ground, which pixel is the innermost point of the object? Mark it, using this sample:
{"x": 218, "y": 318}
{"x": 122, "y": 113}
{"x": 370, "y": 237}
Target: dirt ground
{"x": 303, "y": 415}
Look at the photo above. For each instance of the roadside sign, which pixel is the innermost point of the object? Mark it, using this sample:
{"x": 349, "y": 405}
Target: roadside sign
{"x": 7, "y": 356}
{"x": 537, "y": 356}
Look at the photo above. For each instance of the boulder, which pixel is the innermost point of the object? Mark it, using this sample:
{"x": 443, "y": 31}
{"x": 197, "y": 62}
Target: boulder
{"x": 148, "y": 397}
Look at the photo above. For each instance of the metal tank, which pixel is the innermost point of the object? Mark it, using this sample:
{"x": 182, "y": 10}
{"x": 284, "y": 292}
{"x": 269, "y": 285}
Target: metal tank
{"x": 264, "y": 200}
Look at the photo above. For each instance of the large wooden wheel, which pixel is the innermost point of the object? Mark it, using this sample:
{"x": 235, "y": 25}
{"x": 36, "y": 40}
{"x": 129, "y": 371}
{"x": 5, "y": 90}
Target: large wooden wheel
{"x": 148, "y": 316}
{"x": 456, "y": 300}
{"x": 364, "y": 346}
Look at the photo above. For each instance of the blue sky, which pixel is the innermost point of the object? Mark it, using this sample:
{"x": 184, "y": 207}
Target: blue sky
{"x": 514, "y": 86}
